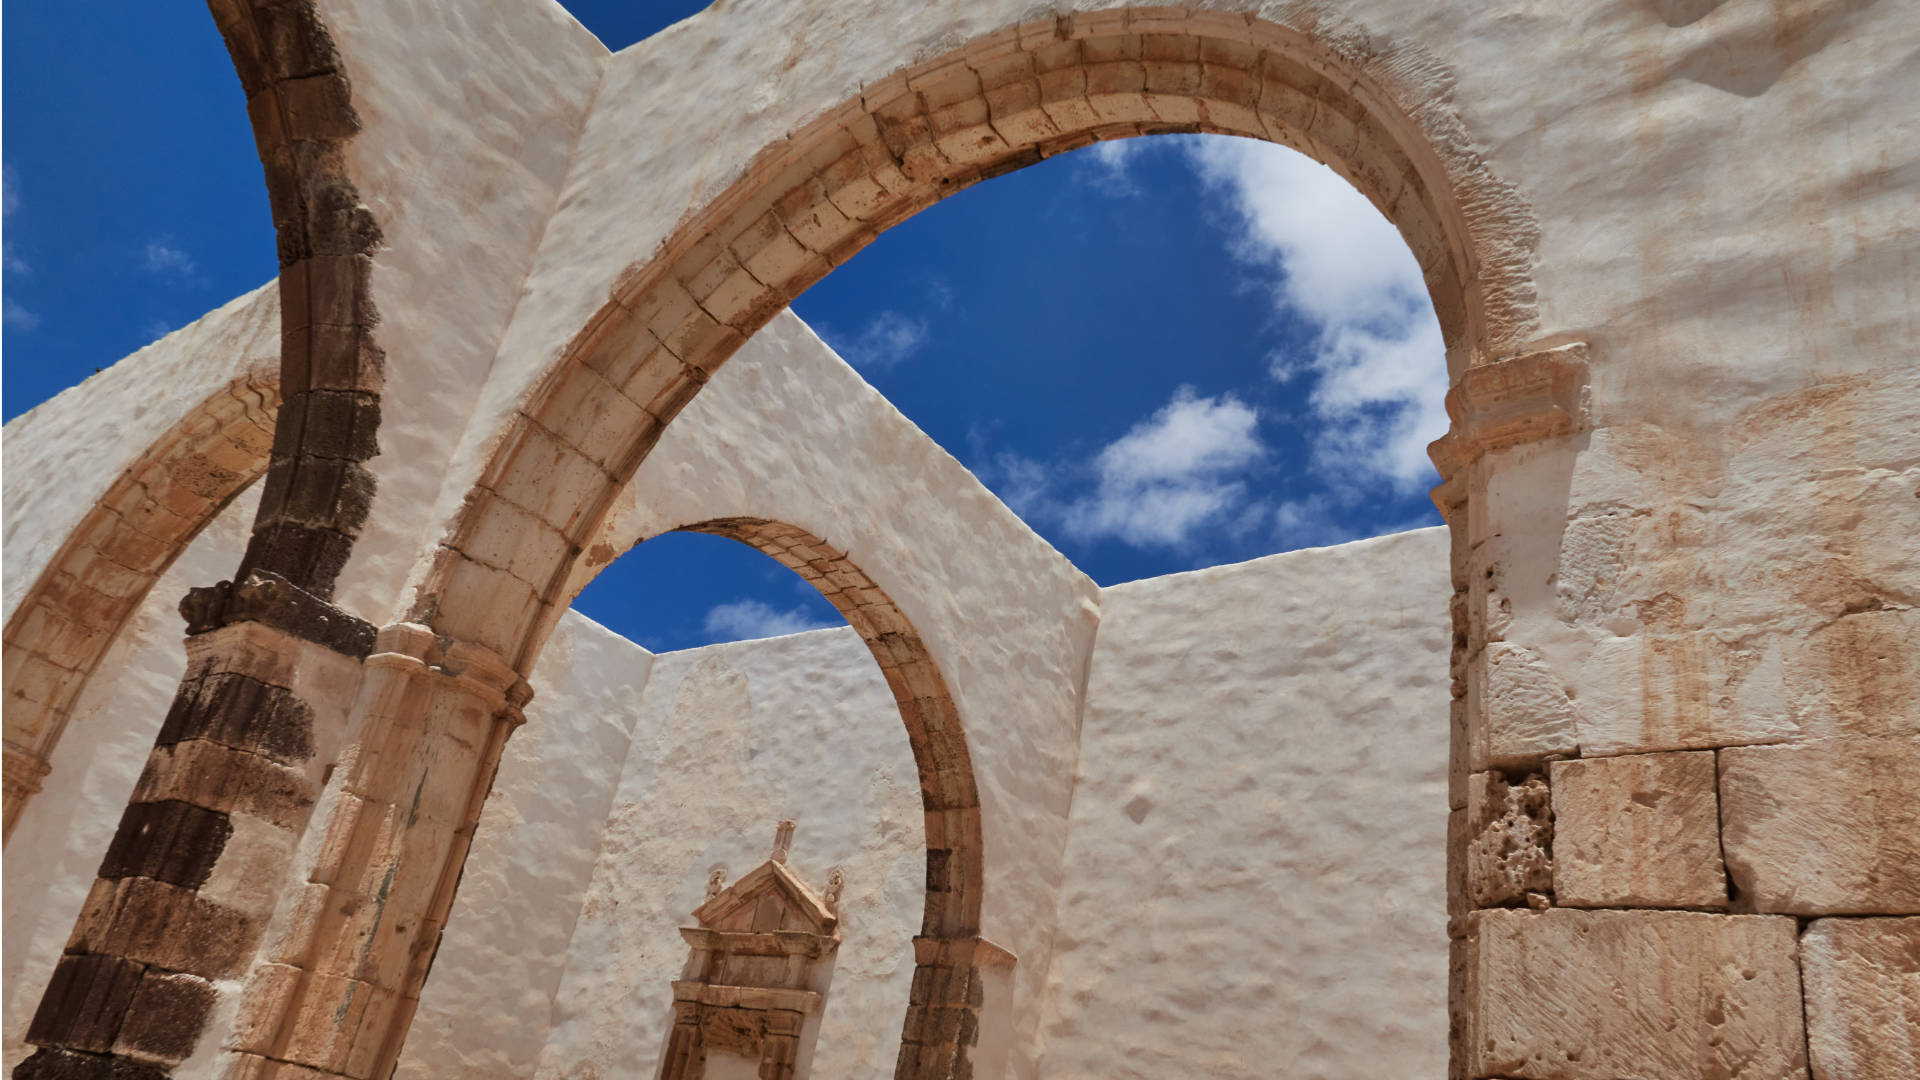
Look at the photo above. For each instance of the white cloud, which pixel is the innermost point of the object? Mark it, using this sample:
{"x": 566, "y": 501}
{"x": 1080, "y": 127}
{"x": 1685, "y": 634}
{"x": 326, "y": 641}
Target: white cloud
{"x": 1172, "y": 477}
{"x": 18, "y": 317}
{"x": 1111, "y": 162}
{"x": 1379, "y": 363}
{"x": 169, "y": 261}
{"x": 11, "y": 313}
{"x": 744, "y": 619}
{"x": 886, "y": 340}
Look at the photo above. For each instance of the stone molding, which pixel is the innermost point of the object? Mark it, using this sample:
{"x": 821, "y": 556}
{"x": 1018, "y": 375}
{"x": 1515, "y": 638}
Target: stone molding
{"x": 1526, "y": 398}
{"x": 265, "y": 597}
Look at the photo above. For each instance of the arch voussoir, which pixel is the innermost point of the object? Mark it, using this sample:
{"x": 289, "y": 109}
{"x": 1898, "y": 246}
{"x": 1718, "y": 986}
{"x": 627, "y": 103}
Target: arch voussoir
{"x": 73, "y": 613}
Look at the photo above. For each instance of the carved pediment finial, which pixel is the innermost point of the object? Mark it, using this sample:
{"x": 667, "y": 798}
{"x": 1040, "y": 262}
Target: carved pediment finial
{"x": 716, "y": 881}
{"x": 782, "y": 841}
{"x": 836, "y": 881}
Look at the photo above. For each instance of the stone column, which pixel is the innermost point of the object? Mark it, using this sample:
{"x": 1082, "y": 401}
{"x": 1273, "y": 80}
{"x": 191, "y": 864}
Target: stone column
{"x": 192, "y": 877}
{"x": 349, "y": 949}
{"x": 1588, "y": 907}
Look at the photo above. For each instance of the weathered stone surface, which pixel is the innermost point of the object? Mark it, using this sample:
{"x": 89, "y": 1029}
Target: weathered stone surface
{"x": 85, "y": 1002}
{"x": 1828, "y": 828}
{"x": 1509, "y": 843}
{"x": 1599, "y": 995}
{"x": 1637, "y": 831}
{"x": 164, "y": 1021}
{"x": 1863, "y": 998}
{"x": 1518, "y": 707}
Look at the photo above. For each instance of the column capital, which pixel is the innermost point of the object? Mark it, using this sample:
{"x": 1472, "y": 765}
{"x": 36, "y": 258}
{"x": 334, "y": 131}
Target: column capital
{"x": 483, "y": 670}
{"x": 1524, "y": 398}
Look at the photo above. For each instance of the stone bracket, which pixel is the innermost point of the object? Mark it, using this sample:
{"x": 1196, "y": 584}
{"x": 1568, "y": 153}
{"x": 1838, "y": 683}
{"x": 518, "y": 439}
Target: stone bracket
{"x": 266, "y": 597}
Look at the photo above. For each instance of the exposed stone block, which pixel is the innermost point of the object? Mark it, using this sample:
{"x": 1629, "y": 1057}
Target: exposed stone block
{"x": 1599, "y": 995}
{"x": 243, "y": 713}
{"x": 53, "y": 1064}
{"x": 1681, "y": 691}
{"x": 1824, "y": 828}
{"x": 1863, "y": 998}
{"x": 85, "y": 1002}
{"x": 171, "y": 841}
{"x": 1637, "y": 831}
{"x": 1521, "y": 710}
{"x": 1509, "y": 842}
{"x": 164, "y": 1021}
{"x": 155, "y": 923}
{"x": 223, "y": 778}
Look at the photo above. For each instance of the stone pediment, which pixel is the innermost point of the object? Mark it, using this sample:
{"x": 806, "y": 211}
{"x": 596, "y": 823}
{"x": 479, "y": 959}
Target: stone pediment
{"x": 768, "y": 898}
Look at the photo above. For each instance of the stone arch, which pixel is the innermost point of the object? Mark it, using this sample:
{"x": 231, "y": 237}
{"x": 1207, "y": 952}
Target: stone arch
{"x": 814, "y": 199}
{"x": 331, "y": 372}
{"x": 955, "y": 863}
{"x": 104, "y": 570}
{"x": 1003, "y": 101}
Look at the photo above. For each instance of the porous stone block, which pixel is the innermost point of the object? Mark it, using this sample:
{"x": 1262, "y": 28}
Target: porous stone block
{"x": 1637, "y": 831}
{"x": 1827, "y": 828}
{"x": 1509, "y": 840}
{"x": 1599, "y": 995}
{"x": 1863, "y": 998}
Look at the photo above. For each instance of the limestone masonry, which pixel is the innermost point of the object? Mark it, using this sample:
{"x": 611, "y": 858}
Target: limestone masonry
{"x": 1614, "y": 776}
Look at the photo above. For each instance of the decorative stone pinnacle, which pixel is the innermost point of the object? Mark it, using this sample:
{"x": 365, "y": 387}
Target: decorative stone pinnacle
{"x": 716, "y": 881}
{"x": 782, "y": 841}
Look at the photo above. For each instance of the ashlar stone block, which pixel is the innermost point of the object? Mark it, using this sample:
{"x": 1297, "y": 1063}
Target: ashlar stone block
{"x": 1599, "y": 995}
{"x": 1520, "y": 709}
{"x": 1863, "y": 998}
{"x": 1637, "y": 831}
{"x": 1830, "y": 828}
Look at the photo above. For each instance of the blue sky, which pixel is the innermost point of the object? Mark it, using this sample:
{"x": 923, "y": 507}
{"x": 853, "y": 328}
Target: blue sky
{"x": 1166, "y": 353}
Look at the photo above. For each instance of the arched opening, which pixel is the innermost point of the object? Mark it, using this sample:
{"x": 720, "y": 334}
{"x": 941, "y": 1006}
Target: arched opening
{"x": 108, "y": 564}
{"x": 810, "y": 203}
{"x": 723, "y": 740}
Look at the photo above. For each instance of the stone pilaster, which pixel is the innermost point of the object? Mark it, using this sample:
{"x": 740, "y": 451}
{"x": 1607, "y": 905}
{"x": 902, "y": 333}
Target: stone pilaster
{"x": 349, "y": 947}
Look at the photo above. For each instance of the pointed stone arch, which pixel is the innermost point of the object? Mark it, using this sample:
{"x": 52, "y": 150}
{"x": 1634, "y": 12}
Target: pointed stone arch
{"x": 100, "y": 576}
{"x": 955, "y": 861}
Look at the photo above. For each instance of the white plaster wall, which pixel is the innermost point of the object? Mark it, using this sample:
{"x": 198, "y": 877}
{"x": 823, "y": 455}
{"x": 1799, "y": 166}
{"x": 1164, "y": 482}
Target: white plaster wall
{"x": 61, "y": 456}
{"x": 1255, "y": 870}
{"x": 468, "y": 113}
{"x": 488, "y": 1005}
{"x": 729, "y": 740}
{"x": 788, "y": 432}
{"x": 55, "y": 850}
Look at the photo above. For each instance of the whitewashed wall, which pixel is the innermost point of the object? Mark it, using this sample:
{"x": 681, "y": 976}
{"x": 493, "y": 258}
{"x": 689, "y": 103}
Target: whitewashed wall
{"x": 1256, "y": 856}
{"x": 731, "y": 739}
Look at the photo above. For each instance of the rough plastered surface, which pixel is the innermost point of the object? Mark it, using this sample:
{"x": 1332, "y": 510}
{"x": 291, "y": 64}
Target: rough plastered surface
{"x": 455, "y": 249}
{"x": 487, "y": 1008}
{"x": 81, "y": 440}
{"x": 56, "y": 848}
{"x": 788, "y": 432}
{"x": 1254, "y": 873}
{"x": 729, "y": 740}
